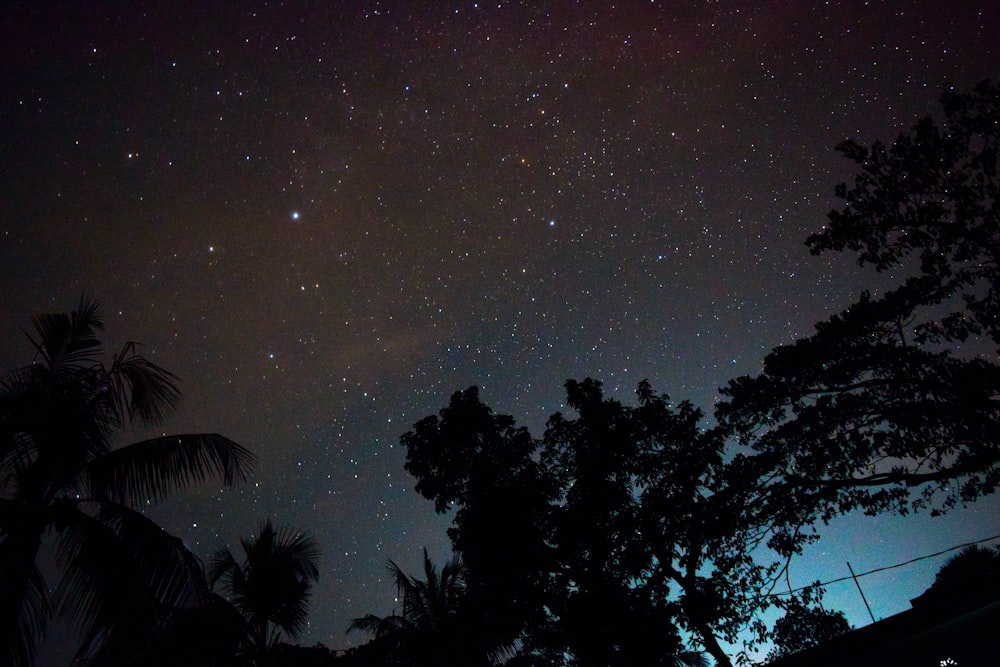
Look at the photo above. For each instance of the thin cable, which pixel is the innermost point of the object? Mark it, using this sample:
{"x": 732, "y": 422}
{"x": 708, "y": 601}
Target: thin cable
{"x": 883, "y": 569}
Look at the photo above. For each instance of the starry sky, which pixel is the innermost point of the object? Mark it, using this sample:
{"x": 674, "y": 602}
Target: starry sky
{"x": 325, "y": 217}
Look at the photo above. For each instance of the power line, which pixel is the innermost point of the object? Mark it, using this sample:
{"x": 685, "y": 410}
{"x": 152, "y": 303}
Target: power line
{"x": 883, "y": 569}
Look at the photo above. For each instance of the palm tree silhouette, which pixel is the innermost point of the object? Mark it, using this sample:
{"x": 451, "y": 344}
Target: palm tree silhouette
{"x": 434, "y": 628}
{"x": 270, "y": 587}
{"x": 60, "y": 475}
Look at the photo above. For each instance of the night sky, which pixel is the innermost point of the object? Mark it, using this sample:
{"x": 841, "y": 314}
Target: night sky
{"x": 325, "y": 217}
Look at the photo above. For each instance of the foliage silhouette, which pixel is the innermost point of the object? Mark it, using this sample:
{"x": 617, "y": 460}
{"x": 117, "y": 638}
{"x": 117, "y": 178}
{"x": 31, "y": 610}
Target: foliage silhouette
{"x": 270, "y": 587}
{"x": 207, "y": 635}
{"x": 642, "y": 515}
{"x": 968, "y": 579}
{"x": 485, "y": 465}
{"x": 803, "y": 627}
{"x": 61, "y": 476}
{"x": 610, "y": 508}
{"x": 433, "y": 628}
{"x": 898, "y": 391}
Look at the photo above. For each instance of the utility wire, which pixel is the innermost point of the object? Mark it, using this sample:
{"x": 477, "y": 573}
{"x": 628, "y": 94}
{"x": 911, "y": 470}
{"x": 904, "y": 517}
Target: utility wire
{"x": 883, "y": 569}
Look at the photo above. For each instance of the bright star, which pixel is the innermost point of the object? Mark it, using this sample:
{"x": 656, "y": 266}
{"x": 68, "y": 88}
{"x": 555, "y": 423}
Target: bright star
{"x": 295, "y": 215}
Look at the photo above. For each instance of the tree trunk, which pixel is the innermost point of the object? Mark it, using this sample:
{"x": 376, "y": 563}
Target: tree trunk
{"x": 698, "y": 623}
{"x": 712, "y": 646}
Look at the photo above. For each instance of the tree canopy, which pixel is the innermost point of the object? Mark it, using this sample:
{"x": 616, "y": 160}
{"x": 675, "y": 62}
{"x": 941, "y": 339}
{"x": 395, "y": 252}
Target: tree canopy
{"x": 608, "y": 531}
{"x": 901, "y": 389}
{"x": 434, "y": 627}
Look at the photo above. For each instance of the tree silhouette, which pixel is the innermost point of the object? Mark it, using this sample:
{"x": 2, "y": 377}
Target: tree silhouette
{"x": 803, "y": 627}
{"x": 899, "y": 390}
{"x": 486, "y": 467}
{"x": 640, "y": 512}
{"x": 209, "y": 634}
{"x": 968, "y": 579}
{"x": 619, "y": 467}
{"x": 604, "y": 507}
{"x": 432, "y": 629}
{"x": 270, "y": 586}
{"x": 61, "y": 475}
{"x": 932, "y": 196}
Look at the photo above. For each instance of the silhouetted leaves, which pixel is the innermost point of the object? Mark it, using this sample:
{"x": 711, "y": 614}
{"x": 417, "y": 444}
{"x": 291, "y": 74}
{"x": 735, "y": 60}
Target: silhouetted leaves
{"x": 803, "y": 627}
{"x": 270, "y": 585}
{"x": 572, "y": 543}
{"x": 121, "y": 574}
{"x": 968, "y": 579}
{"x": 435, "y": 626}
{"x": 898, "y": 391}
{"x": 486, "y": 466}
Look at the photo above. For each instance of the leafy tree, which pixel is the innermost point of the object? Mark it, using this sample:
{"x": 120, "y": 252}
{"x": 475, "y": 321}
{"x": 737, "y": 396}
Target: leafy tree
{"x": 932, "y": 196}
{"x": 486, "y": 466}
{"x": 972, "y": 567}
{"x": 891, "y": 405}
{"x": 61, "y": 476}
{"x": 604, "y": 507}
{"x": 270, "y": 587}
{"x": 629, "y": 516}
{"x": 900, "y": 390}
{"x": 803, "y": 627}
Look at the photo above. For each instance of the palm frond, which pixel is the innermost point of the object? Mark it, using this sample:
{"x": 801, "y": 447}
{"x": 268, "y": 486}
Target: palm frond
{"x": 292, "y": 613}
{"x": 121, "y": 576}
{"x": 452, "y": 585}
{"x": 691, "y": 659}
{"x": 408, "y": 589}
{"x": 32, "y": 411}
{"x": 379, "y": 626}
{"x": 21, "y": 579}
{"x": 121, "y": 573}
{"x": 35, "y": 610}
{"x": 19, "y": 389}
{"x": 68, "y": 340}
{"x": 286, "y": 550}
{"x": 151, "y": 469}
{"x": 99, "y": 580}
{"x": 432, "y": 598}
{"x": 65, "y": 413}
{"x": 171, "y": 573}
{"x": 223, "y": 567}
{"x": 17, "y": 452}
{"x": 301, "y": 551}
{"x": 141, "y": 389}
{"x": 270, "y": 586}
{"x": 430, "y": 603}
